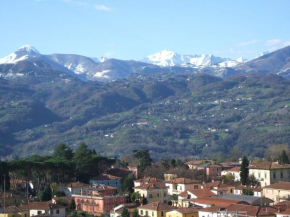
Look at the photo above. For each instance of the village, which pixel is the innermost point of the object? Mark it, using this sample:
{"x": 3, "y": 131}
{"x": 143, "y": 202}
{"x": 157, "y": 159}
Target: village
{"x": 243, "y": 188}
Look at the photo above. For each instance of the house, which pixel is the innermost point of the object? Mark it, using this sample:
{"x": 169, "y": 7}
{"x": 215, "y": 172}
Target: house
{"x": 96, "y": 205}
{"x": 170, "y": 176}
{"x": 183, "y": 212}
{"x": 178, "y": 185}
{"x": 116, "y": 211}
{"x": 119, "y": 172}
{"x": 102, "y": 190}
{"x": 235, "y": 210}
{"x": 213, "y": 170}
{"x": 278, "y": 191}
{"x": 147, "y": 180}
{"x": 211, "y": 201}
{"x": 219, "y": 187}
{"x": 134, "y": 169}
{"x": 153, "y": 192}
{"x": 107, "y": 179}
{"x": 195, "y": 164}
{"x": 235, "y": 172}
{"x": 285, "y": 213}
{"x": 38, "y": 208}
{"x": 13, "y": 211}
{"x": 268, "y": 173}
{"x": 185, "y": 197}
{"x": 155, "y": 209}
{"x": 74, "y": 188}
{"x": 257, "y": 191}
{"x": 230, "y": 165}
{"x": 251, "y": 200}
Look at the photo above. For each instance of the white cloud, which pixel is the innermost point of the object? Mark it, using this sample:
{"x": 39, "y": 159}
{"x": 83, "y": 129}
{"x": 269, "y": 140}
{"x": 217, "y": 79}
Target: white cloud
{"x": 109, "y": 54}
{"x": 273, "y": 42}
{"x": 247, "y": 43}
{"x": 102, "y": 8}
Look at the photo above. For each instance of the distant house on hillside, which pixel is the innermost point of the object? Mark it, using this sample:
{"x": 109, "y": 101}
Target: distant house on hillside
{"x": 106, "y": 179}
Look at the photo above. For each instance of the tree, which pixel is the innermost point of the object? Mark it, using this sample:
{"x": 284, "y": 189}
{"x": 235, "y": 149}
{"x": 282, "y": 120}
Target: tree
{"x": 252, "y": 181}
{"x": 144, "y": 159}
{"x": 173, "y": 163}
{"x": 283, "y": 158}
{"x": 63, "y": 151}
{"x": 45, "y": 195}
{"x": 135, "y": 197}
{"x": 273, "y": 152}
{"x": 165, "y": 163}
{"x": 244, "y": 171}
{"x": 72, "y": 205}
{"x": 247, "y": 192}
{"x": 128, "y": 184}
{"x": 135, "y": 213}
{"x": 125, "y": 212}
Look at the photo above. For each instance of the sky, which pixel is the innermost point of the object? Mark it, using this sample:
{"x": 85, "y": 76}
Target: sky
{"x": 133, "y": 29}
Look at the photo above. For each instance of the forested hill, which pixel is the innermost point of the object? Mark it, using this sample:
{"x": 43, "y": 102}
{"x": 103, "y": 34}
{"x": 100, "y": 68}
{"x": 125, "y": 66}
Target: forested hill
{"x": 172, "y": 115}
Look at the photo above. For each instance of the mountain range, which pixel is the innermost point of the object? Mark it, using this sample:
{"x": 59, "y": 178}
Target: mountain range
{"x": 103, "y": 69}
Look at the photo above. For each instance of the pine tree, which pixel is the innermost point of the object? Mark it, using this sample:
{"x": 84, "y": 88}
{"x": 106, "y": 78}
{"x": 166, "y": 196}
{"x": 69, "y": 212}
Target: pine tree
{"x": 125, "y": 213}
{"x": 135, "y": 213}
{"x": 283, "y": 158}
{"x": 244, "y": 171}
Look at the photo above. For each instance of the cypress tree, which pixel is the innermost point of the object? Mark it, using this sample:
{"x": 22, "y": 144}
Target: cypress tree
{"x": 244, "y": 171}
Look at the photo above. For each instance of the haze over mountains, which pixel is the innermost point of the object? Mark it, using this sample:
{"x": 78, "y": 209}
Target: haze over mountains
{"x": 103, "y": 69}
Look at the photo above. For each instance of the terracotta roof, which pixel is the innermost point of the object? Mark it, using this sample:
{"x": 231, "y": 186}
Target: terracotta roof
{"x": 214, "y": 166}
{"x": 251, "y": 210}
{"x": 194, "y": 162}
{"x": 76, "y": 184}
{"x": 287, "y": 212}
{"x": 11, "y": 209}
{"x": 41, "y": 206}
{"x": 234, "y": 169}
{"x": 183, "y": 181}
{"x": 279, "y": 185}
{"x": 216, "y": 201}
{"x": 156, "y": 206}
{"x": 213, "y": 209}
{"x": 187, "y": 210}
{"x": 149, "y": 180}
{"x": 202, "y": 192}
{"x": 241, "y": 187}
{"x": 155, "y": 185}
{"x": 212, "y": 184}
{"x": 105, "y": 176}
{"x": 268, "y": 165}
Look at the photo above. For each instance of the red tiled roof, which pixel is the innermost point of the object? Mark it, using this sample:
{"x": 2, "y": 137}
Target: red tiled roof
{"x": 183, "y": 181}
{"x": 202, "y": 192}
{"x": 216, "y": 201}
{"x": 155, "y": 185}
{"x": 234, "y": 169}
{"x": 149, "y": 180}
{"x": 11, "y": 209}
{"x": 156, "y": 206}
{"x": 213, "y": 209}
{"x": 76, "y": 184}
{"x": 251, "y": 210}
{"x": 268, "y": 165}
{"x": 287, "y": 212}
{"x": 188, "y": 210}
{"x": 241, "y": 187}
{"x": 41, "y": 206}
{"x": 279, "y": 185}
{"x": 105, "y": 176}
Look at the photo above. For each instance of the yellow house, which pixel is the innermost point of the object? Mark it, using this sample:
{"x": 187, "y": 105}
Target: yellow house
{"x": 278, "y": 192}
{"x": 268, "y": 173}
{"x": 183, "y": 212}
{"x": 155, "y": 209}
{"x": 178, "y": 185}
{"x": 153, "y": 192}
{"x": 13, "y": 211}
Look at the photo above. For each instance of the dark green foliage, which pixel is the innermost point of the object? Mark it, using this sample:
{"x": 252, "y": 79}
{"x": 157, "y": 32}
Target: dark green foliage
{"x": 247, "y": 192}
{"x": 61, "y": 202}
{"x": 252, "y": 181}
{"x": 128, "y": 184}
{"x": 144, "y": 200}
{"x": 244, "y": 174}
{"x": 4, "y": 175}
{"x": 135, "y": 213}
{"x": 45, "y": 195}
{"x": 63, "y": 151}
{"x": 125, "y": 212}
{"x": 283, "y": 158}
{"x": 144, "y": 159}
{"x": 72, "y": 205}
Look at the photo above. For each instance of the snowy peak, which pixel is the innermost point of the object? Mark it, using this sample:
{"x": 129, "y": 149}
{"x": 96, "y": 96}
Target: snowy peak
{"x": 28, "y": 49}
{"x": 167, "y": 58}
{"x": 262, "y": 54}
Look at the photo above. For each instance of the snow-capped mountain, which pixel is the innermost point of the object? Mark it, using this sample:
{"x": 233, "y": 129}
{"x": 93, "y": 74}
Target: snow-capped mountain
{"x": 167, "y": 58}
{"x": 262, "y": 54}
{"x": 22, "y": 53}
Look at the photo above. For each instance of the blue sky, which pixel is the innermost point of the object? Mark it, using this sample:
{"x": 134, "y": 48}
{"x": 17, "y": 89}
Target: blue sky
{"x": 133, "y": 29}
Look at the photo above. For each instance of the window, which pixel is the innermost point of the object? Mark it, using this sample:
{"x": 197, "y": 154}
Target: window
{"x": 162, "y": 214}
{"x": 282, "y": 174}
{"x": 38, "y": 212}
{"x": 57, "y": 211}
{"x": 180, "y": 187}
{"x": 51, "y": 212}
{"x": 152, "y": 213}
{"x": 265, "y": 175}
{"x": 164, "y": 194}
{"x": 25, "y": 215}
{"x": 141, "y": 212}
{"x": 274, "y": 175}
{"x": 116, "y": 183}
{"x": 146, "y": 213}
{"x": 259, "y": 175}
{"x": 150, "y": 196}
{"x": 157, "y": 194}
